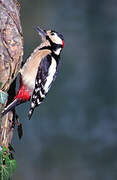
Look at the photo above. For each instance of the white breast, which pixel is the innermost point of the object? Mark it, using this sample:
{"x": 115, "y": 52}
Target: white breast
{"x": 30, "y": 68}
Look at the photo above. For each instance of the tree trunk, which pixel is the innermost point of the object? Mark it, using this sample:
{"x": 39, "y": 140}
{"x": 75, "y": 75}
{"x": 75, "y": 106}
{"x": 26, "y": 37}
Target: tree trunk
{"x": 11, "y": 52}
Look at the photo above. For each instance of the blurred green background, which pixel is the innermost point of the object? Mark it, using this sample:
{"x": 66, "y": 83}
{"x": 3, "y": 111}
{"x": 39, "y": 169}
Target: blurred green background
{"x": 73, "y": 134}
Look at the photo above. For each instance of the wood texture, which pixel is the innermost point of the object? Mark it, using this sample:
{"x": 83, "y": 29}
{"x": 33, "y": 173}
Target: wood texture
{"x": 11, "y": 52}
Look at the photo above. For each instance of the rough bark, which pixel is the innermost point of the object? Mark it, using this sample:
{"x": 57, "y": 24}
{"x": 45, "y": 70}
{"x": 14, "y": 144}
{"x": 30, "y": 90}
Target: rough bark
{"x": 11, "y": 52}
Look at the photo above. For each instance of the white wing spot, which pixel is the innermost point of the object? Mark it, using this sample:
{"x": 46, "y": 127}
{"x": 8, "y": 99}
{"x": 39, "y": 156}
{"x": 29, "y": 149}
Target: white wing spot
{"x": 38, "y": 102}
{"x": 34, "y": 96}
{"x": 42, "y": 95}
{"x": 51, "y": 73}
{"x": 38, "y": 89}
{"x": 32, "y": 105}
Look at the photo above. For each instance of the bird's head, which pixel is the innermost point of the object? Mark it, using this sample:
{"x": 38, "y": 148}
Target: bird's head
{"x": 54, "y": 39}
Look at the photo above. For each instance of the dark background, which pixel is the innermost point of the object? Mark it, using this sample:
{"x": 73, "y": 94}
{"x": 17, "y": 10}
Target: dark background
{"x": 73, "y": 134}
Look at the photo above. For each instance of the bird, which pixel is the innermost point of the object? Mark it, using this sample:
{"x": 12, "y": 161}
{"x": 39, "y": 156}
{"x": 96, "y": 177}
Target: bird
{"x": 39, "y": 72}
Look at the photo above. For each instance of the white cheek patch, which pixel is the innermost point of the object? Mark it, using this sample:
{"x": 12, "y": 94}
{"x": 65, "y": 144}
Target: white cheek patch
{"x": 57, "y": 39}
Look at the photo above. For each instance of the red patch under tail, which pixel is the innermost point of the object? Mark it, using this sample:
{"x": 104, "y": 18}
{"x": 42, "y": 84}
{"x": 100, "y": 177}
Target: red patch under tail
{"x": 23, "y": 94}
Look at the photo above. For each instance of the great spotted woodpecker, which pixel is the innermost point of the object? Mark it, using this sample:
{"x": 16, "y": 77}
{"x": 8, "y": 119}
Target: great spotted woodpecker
{"x": 39, "y": 71}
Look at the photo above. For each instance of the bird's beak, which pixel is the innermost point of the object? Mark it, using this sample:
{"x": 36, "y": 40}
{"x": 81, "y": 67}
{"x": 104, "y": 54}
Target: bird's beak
{"x": 40, "y": 31}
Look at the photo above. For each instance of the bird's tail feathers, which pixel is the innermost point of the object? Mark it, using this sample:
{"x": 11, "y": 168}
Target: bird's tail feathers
{"x": 30, "y": 113}
{"x": 11, "y": 106}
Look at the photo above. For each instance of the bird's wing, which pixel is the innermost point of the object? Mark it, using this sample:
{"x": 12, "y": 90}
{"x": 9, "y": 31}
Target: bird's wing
{"x": 39, "y": 92}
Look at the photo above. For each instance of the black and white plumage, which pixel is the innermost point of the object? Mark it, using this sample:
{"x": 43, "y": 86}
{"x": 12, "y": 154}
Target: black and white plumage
{"x": 39, "y": 71}
{"x": 46, "y": 74}
{"x": 48, "y": 67}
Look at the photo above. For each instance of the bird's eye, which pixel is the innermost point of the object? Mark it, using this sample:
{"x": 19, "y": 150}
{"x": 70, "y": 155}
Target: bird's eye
{"x": 52, "y": 33}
